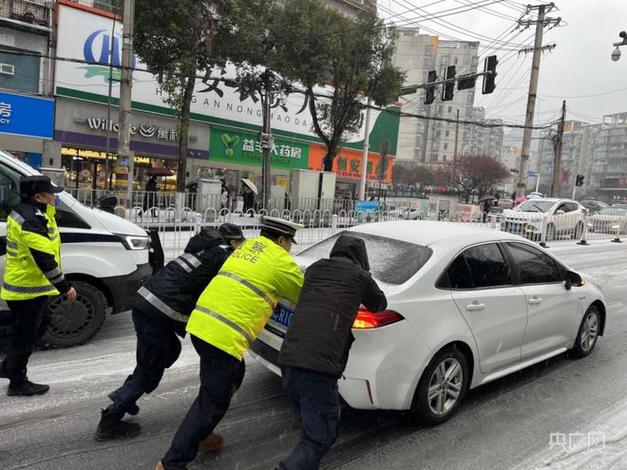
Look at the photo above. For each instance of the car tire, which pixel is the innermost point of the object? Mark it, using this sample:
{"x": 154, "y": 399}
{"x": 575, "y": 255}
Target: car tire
{"x": 74, "y": 324}
{"x": 550, "y": 233}
{"x": 434, "y": 400}
{"x": 588, "y": 334}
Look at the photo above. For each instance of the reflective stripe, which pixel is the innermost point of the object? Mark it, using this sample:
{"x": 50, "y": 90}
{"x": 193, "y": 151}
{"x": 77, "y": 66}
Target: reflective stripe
{"x": 227, "y": 322}
{"x": 191, "y": 259}
{"x": 183, "y": 264}
{"x": 12, "y": 244}
{"x": 17, "y": 217}
{"x": 57, "y": 279}
{"x": 162, "y": 306}
{"x": 56, "y": 272}
{"x": 251, "y": 286}
{"x": 29, "y": 289}
{"x": 11, "y": 252}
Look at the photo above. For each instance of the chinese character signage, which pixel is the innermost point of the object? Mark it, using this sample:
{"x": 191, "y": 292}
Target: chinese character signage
{"x": 231, "y": 145}
{"x": 26, "y": 115}
{"x": 143, "y": 129}
{"x": 348, "y": 164}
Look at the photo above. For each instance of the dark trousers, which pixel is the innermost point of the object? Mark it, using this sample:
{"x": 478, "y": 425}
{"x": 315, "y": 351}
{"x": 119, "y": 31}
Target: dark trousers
{"x": 317, "y": 403}
{"x": 28, "y": 326}
{"x": 158, "y": 347}
{"x": 220, "y": 377}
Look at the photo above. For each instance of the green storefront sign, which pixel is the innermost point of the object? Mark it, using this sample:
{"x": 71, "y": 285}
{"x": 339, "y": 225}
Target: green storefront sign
{"x": 236, "y": 146}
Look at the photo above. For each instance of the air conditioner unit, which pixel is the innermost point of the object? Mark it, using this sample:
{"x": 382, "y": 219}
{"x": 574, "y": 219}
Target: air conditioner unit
{"x": 7, "y": 69}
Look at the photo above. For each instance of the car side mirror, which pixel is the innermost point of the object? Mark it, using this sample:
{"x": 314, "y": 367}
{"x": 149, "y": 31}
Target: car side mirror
{"x": 559, "y": 212}
{"x": 572, "y": 279}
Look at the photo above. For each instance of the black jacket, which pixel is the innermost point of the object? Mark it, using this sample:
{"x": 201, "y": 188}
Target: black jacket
{"x": 179, "y": 283}
{"x": 319, "y": 337}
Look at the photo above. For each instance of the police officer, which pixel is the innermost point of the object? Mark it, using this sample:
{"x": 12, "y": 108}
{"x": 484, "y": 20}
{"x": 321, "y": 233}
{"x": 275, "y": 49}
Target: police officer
{"x": 160, "y": 312}
{"x": 32, "y": 275}
{"x": 230, "y": 313}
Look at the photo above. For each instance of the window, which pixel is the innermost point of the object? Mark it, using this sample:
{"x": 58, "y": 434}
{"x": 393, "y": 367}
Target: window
{"x": 534, "y": 267}
{"x": 9, "y": 191}
{"x": 445, "y": 146}
{"x": 25, "y": 76}
{"x": 487, "y": 266}
{"x": 450, "y": 109}
{"x": 446, "y": 133}
{"x": 457, "y": 276}
{"x": 391, "y": 261}
{"x": 455, "y": 61}
{"x": 478, "y": 267}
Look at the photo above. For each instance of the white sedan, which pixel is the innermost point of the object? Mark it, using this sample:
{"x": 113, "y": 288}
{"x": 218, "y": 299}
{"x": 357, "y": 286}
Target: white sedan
{"x": 466, "y": 306}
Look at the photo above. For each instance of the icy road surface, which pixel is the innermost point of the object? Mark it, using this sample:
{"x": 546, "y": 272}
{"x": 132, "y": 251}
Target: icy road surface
{"x": 562, "y": 414}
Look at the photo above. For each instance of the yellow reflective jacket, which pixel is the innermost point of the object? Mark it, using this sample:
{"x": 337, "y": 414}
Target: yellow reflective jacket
{"x": 238, "y": 302}
{"x": 33, "y": 254}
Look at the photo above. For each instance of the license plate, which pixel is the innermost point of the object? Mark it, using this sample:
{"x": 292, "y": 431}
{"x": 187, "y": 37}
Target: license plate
{"x": 281, "y": 319}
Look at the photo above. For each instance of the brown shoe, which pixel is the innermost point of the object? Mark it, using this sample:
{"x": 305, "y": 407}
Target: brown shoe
{"x": 159, "y": 466}
{"x": 212, "y": 443}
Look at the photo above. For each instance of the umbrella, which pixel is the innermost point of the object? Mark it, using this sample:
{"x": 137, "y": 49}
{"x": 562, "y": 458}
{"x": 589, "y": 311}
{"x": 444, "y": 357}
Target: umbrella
{"x": 486, "y": 198}
{"x": 159, "y": 172}
{"x": 251, "y": 185}
{"x": 519, "y": 200}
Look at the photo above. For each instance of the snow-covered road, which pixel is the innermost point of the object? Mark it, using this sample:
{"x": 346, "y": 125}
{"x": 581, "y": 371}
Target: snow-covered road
{"x": 540, "y": 418}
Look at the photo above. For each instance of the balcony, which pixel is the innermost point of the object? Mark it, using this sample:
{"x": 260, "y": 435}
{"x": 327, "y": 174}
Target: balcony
{"x": 24, "y": 13}
{"x": 110, "y": 6}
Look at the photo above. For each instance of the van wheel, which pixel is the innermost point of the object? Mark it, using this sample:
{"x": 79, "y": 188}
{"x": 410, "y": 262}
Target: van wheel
{"x": 74, "y": 324}
{"x": 442, "y": 387}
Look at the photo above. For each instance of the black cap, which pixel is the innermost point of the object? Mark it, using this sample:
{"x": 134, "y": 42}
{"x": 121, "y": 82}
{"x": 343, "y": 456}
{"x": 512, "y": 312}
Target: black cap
{"x": 30, "y": 185}
{"x": 232, "y": 232}
{"x": 284, "y": 227}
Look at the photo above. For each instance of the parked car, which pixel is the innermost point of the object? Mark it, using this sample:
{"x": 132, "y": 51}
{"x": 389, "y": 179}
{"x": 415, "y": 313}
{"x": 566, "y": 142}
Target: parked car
{"x": 105, "y": 257}
{"x": 561, "y": 217}
{"x": 466, "y": 306}
{"x": 412, "y": 214}
{"x": 593, "y": 205}
{"x": 607, "y": 220}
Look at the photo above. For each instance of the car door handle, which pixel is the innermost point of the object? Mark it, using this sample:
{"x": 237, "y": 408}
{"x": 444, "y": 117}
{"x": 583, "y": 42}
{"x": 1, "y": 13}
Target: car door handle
{"x": 535, "y": 300}
{"x": 475, "y": 306}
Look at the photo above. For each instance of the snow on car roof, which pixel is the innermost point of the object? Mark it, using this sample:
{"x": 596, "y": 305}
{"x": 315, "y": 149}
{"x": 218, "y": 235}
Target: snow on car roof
{"x": 427, "y": 233}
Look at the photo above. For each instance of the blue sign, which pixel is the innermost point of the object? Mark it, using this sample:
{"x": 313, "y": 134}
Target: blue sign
{"x": 26, "y": 115}
{"x": 531, "y": 174}
{"x": 367, "y": 206}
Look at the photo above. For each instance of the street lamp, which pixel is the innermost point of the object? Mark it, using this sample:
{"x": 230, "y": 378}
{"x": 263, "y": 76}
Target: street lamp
{"x": 616, "y": 52}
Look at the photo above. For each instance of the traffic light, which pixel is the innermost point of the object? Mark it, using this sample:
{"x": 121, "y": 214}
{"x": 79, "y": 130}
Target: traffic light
{"x": 449, "y": 87}
{"x": 489, "y": 80}
{"x": 579, "y": 180}
{"x": 430, "y": 90}
{"x": 466, "y": 83}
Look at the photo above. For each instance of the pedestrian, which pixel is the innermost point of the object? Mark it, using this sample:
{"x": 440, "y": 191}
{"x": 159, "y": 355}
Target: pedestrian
{"x": 487, "y": 205}
{"x": 161, "y": 309}
{"x": 315, "y": 350}
{"x": 230, "y": 313}
{"x": 224, "y": 197}
{"x": 32, "y": 275}
{"x": 150, "y": 197}
{"x": 249, "y": 199}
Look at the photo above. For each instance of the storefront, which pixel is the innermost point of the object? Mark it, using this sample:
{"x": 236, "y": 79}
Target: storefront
{"x": 82, "y": 129}
{"x": 236, "y": 153}
{"x": 26, "y": 124}
{"x": 348, "y": 166}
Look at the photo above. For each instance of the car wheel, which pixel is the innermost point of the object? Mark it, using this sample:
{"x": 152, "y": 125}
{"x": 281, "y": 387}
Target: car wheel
{"x": 442, "y": 387}
{"x": 550, "y": 233}
{"x": 71, "y": 324}
{"x": 588, "y": 332}
{"x": 578, "y": 231}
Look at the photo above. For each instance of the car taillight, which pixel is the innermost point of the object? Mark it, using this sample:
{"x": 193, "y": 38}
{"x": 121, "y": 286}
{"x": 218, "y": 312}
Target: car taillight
{"x": 366, "y": 319}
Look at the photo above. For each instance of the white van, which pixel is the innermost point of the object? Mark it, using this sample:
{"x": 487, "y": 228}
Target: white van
{"x": 105, "y": 257}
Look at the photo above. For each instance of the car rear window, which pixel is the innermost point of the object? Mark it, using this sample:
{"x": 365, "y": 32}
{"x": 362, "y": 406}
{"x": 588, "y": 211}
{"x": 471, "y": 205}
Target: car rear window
{"x": 391, "y": 261}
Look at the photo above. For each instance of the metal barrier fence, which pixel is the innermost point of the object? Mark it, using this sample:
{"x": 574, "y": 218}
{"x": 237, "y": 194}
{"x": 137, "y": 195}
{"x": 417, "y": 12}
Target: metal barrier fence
{"x": 177, "y": 226}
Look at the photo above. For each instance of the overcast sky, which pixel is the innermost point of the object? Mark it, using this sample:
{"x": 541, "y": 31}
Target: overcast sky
{"x": 579, "y": 66}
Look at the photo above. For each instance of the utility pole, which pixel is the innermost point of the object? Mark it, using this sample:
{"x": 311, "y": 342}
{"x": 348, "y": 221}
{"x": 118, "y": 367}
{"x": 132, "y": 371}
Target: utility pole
{"x": 107, "y": 184}
{"x": 541, "y": 22}
{"x": 126, "y": 85}
{"x": 456, "y": 136}
{"x": 558, "y": 141}
{"x": 266, "y": 147}
{"x": 364, "y": 163}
